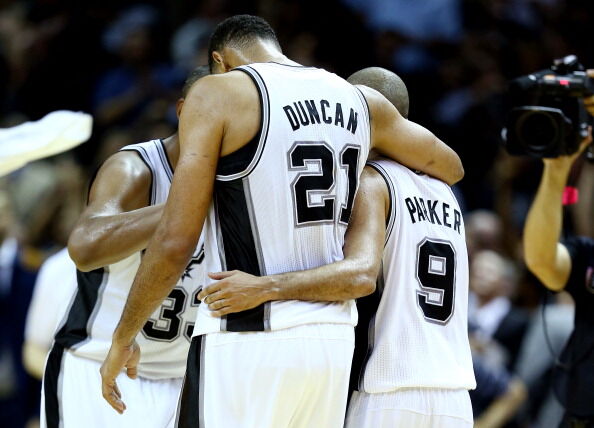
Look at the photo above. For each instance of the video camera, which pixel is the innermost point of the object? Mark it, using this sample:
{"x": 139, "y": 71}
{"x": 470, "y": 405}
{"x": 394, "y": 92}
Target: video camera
{"x": 548, "y": 118}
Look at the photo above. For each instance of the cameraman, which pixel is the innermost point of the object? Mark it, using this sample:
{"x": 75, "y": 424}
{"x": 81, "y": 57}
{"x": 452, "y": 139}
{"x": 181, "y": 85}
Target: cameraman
{"x": 566, "y": 265}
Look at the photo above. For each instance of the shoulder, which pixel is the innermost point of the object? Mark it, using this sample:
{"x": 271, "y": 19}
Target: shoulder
{"x": 376, "y": 102}
{"x": 126, "y": 164}
{"x": 124, "y": 172}
{"x": 235, "y": 82}
{"x": 223, "y": 95}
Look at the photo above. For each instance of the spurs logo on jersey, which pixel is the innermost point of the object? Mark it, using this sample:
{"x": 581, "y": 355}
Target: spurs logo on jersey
{"x": 282, "y": 202}
{"x": 412, "y": 331}
{"x": 102, "y": 294}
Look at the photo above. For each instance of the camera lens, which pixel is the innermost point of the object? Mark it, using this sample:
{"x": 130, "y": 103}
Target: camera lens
{"x": 537, "y": 131}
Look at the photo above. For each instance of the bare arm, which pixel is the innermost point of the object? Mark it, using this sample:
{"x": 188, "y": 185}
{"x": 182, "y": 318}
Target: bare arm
{"x": 504, "y": 407}
{"x": 351, "y": 278}
{"x": 201, "y": 128}
{"x": 409, "y": 143}
{"x": 117, "y": 221}
{"x": 545, "y": 256}
{"x": 201, "y": 131}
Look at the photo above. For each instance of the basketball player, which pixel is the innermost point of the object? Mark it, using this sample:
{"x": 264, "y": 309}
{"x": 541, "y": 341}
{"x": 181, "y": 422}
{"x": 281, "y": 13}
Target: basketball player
{"x": 412, "y": 365}
{"x": 278, "y": 149}
{"x": 125, "y": 203}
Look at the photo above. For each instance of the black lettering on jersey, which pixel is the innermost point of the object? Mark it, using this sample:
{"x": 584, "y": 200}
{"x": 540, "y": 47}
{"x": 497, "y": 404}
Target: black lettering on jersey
{"x": 411, "y": 209}
{"x": 325, "y": 104}
{"x": 420, "y": 215}
{"x": 301, "y": 113}
{"x": 457, "y": 220}
{"x": 421, "y": 210}
{"x": 307, "y": 112}
{"x": 422, "y": 201}
{"x": 292, "y": 117}
{"x": 446, "y": 214}
{"x": 339, "y": 120}
{"x": 352, "y": 124}
{"x": 433, "y": 218}
{"x": 314, "y": 117}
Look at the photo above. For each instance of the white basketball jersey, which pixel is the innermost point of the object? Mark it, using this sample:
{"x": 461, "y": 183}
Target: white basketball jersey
{"x": 282, "y": 202}
{"x": 102, "y": 293}
{"x": 413, "y": 330}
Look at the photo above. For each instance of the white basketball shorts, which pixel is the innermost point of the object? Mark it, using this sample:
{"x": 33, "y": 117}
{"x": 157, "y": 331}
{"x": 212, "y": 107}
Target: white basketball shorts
{"x": 292, "y": 378}
{"x": 71, "y": 396}
{"x": 411, "y": 407}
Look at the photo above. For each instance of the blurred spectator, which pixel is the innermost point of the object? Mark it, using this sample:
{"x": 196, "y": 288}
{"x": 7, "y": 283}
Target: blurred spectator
{"x": 189, "y": 44}
{"x": 129, "y": 90}
{"x": 483, "y": 232}
{"x": 546, "y": 336}
{"x": 498, "y": 325}
{"x": 497, "y": 397}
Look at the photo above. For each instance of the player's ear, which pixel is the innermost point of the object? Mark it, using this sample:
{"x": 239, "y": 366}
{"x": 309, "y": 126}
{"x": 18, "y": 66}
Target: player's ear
{"x": 178, "y": 106}
{"x": 220, "y": 66}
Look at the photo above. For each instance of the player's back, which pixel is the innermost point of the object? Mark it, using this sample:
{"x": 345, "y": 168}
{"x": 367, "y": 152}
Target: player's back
{"x": 282, "y": 202}
{"x": 102, "y": 293}
{"x": 415, "y": 325}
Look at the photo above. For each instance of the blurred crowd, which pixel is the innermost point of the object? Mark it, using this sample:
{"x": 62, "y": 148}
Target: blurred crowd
{"x": 125, "y": 62}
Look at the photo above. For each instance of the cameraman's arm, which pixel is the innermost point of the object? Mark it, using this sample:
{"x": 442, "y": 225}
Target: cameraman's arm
{"x": 545, "y": 256}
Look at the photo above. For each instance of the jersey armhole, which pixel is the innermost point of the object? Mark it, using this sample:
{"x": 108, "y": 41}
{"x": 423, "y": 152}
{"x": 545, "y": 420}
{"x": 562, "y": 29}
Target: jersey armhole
{"x": 367, "y": 111}
{"x": 242, "y": 162}
{"x": 392, "y": 195}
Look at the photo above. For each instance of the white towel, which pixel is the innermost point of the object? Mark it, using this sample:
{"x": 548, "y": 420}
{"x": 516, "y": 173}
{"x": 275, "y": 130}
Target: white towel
{"x": 56, "y": 132}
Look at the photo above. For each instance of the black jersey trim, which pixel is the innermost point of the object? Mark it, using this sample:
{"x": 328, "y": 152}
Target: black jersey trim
{"x": 84, "y": 308}
{"x": 239, "y": 247}
{"x": 249, "y": 157}
{"x": 365, "y": 334}
{"x": 392, "y": 194}
{"x": 306, "y": 67}
{"x": 190, "y": 409}
{"x": 143, "y": 155}
{"x": 367, "y": 111}
{"x": 162, "y": 150}
{"x": 52, "y": 386}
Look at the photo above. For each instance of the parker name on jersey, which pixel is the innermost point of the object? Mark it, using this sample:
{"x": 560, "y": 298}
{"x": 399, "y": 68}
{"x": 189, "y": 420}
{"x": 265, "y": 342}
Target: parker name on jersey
{"x": 433, "y": 211}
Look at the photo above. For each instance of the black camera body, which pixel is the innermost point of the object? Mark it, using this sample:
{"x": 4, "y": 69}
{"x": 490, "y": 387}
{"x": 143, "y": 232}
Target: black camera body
{"x": 548, "y": 118}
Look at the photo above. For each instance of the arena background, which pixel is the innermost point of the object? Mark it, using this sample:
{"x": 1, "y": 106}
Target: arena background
{"x": 124, "y": 62}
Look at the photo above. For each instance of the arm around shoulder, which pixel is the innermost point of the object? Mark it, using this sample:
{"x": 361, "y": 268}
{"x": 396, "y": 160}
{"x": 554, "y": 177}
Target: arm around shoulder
{"x": 409, "y": 143}
{"x": 117, "y": 221}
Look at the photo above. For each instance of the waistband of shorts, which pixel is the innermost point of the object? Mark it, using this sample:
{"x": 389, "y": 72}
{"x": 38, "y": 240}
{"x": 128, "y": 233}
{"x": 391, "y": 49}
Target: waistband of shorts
{"x": 321, "y": 331}
{"x": 437, "y": 401}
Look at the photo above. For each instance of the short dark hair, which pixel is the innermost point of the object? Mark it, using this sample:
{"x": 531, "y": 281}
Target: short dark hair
{"x": 240, "y": 31}
{"x": 386, "y": 83}
{"x": 196, "y": 74}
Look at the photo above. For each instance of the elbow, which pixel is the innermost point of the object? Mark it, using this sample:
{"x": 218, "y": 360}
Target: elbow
{"x": 456, "y": 174}
{"x": 366, "y": 287}
{"x": 178, "y": 250}
{"x": 81, "y": 252}
{"x": 366, "y": 282}
{"x": 537, "y": 261}
{"x": 459, "y": 173}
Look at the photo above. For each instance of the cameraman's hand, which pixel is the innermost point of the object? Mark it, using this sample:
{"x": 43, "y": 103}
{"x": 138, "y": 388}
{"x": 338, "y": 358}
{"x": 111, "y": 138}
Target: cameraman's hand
{"x": 564, "y": 163}
{"x": 589, "y": 101}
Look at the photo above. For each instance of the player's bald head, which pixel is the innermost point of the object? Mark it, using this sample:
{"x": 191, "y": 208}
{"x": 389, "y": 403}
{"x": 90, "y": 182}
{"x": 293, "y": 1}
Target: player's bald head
{"x": 386, "y": 83}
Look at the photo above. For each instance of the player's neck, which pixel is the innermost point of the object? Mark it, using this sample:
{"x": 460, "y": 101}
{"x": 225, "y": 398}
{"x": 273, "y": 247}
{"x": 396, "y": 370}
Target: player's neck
{"x": 261, "y": 51}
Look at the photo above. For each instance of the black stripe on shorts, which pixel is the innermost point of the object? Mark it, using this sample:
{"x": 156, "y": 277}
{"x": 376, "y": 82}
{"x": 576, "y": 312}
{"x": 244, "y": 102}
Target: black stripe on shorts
{"x": 190, "y": 408}
{"x": 51, "y": 386}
